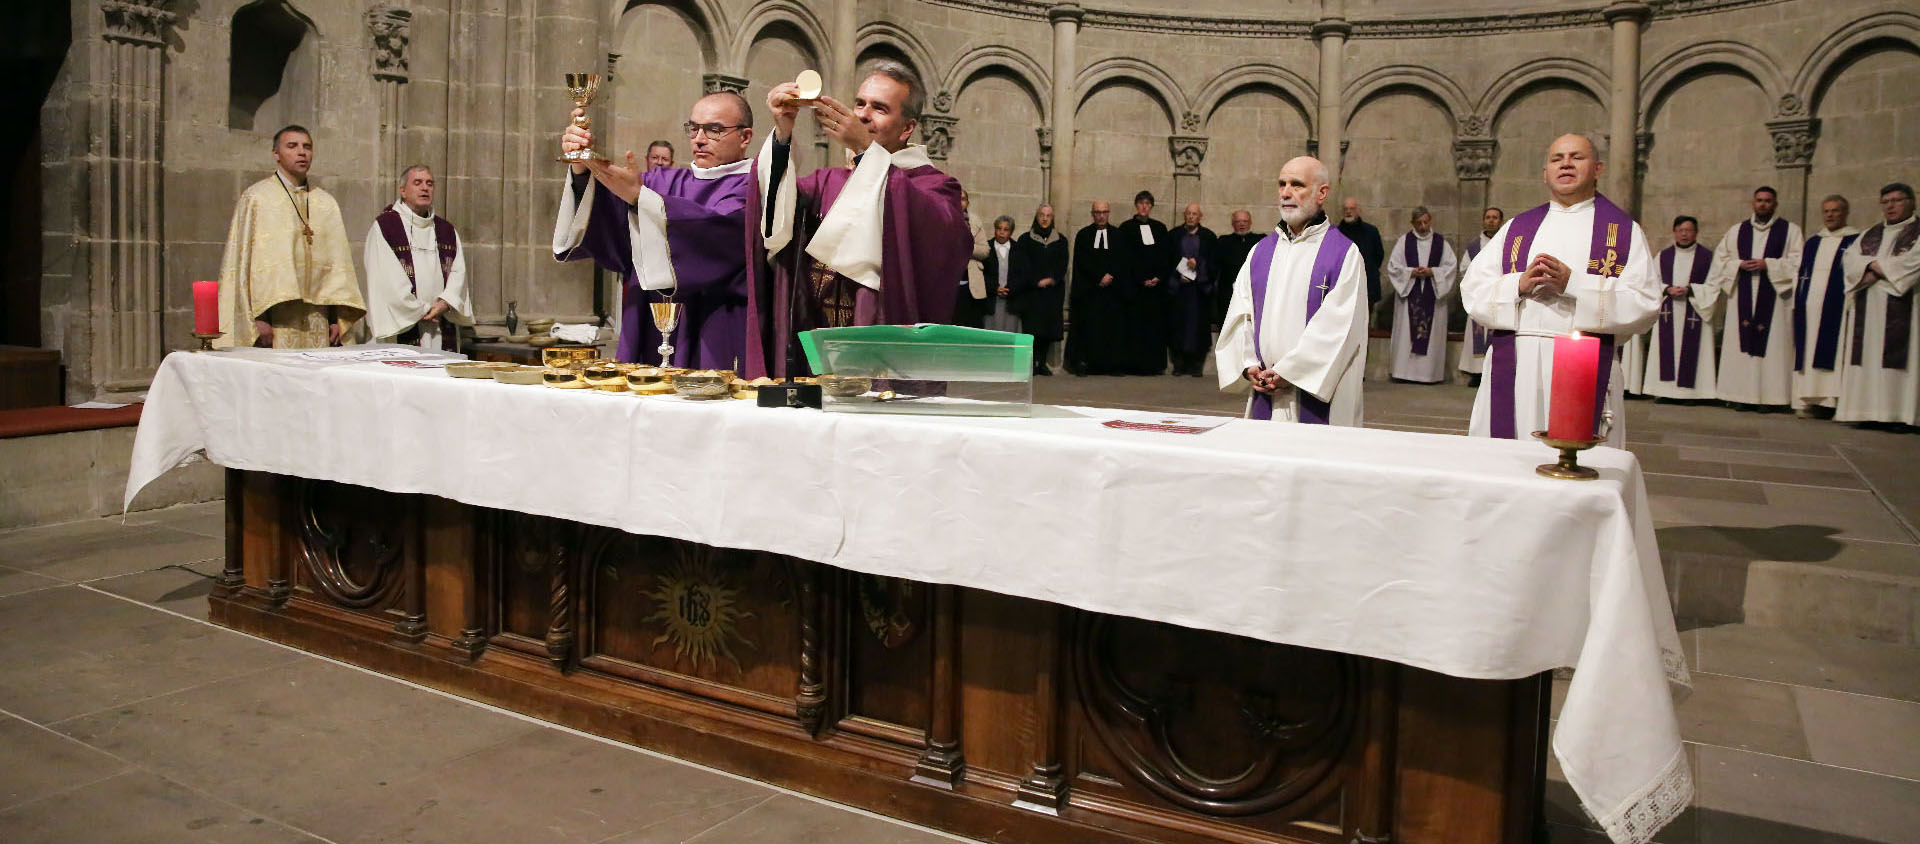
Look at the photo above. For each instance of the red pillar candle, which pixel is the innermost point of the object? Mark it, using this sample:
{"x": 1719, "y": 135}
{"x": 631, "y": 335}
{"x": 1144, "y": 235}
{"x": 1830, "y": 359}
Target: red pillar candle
{"x": 1576, "y": 373}
{"x": 206, "y": 307}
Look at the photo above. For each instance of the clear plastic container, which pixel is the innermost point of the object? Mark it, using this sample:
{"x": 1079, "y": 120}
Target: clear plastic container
{"x": 933, "y": 369}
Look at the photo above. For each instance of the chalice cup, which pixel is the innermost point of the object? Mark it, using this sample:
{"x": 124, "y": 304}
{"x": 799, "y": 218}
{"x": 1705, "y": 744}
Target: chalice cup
{"x": 582, "y": 87}
{"x": 666, "y": 317}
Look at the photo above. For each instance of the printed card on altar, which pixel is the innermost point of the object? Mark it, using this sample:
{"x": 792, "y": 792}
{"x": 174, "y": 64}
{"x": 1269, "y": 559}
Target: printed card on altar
{"x": 1167, "y": 423}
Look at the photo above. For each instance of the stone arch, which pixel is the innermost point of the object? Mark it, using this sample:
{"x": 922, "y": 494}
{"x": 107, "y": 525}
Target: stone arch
{"x": 1424, "y": 81}
{"x": 776, "y": 14}
{"x": 1574, "y": 73}
{"x": 880, "y": 37}
{"x": 1802, "y": 96}
{"x": 273, "y": 67}
{"x": 1008, "y": 62}
{"x": 1139, "y": 74}
{"x": 1681, "y": 66}
{"x": 705, "y": 17}
{"x": 1291, "y": 86}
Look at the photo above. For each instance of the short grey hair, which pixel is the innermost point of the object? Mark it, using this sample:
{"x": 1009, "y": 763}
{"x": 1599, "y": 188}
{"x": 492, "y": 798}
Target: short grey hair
{"x": 916, "y": 90}
{"x": 1834, "y": 197}
{"x": 1003, "y": 218}
{"x": 408, "y": 173}
{"x": 1418, "y": 212}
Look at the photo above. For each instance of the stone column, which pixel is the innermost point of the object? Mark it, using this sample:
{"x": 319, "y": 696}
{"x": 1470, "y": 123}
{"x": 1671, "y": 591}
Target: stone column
{"x": 843, "y": 44}
{"x": 1623, "y": 106}
{"x": 1473, "y": 154}
{"x": 390, "y": 28}
{"x": 1331, "y": 34}
{"x": 1794, "y": 134}
{"x": 124, "y": 228}
{"x": 1066, "y": 29}
{"x": 1188, "y": 152}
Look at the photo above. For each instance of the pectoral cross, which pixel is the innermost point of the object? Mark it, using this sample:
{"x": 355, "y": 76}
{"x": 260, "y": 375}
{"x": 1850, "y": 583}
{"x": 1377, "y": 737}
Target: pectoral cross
{"x": 308, "y": 231}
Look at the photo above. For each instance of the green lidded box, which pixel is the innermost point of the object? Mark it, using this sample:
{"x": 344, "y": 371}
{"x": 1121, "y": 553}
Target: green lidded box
{"x": 937, "y": 369}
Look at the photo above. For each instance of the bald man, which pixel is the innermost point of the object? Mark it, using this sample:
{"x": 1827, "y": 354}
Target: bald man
{"x": 1096, "y": 343}
{"x": 1229, "y": 254}
{"x": 1190, "y": 325}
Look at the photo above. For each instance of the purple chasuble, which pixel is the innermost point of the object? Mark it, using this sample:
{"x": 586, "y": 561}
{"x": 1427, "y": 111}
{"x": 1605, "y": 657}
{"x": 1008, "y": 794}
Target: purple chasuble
{"x": 1606, "y": 257}
{"x": 1688, "y": 347}
{"x": 393, "y": 230}
{"x": 1899, "y": 328}
{"x": 1326, "y": 273}
{"x": 1755, "y": 303}
{"x": 926, "y": 244}
{"x": 1420, "y": 302}
{"x": 1826, "y": 341}
{"x": 707, "y": 241}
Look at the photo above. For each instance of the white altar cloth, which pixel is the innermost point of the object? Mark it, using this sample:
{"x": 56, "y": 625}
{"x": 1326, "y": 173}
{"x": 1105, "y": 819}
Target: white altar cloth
{"x": 1441, "y": 552}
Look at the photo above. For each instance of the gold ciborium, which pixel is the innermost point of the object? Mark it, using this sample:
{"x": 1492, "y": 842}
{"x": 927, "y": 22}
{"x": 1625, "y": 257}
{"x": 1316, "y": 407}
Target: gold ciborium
{"x": 582, "y": 87}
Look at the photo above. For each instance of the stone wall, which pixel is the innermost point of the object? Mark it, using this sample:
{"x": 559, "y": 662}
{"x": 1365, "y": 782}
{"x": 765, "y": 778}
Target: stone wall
{"x": 1447, "y": 108}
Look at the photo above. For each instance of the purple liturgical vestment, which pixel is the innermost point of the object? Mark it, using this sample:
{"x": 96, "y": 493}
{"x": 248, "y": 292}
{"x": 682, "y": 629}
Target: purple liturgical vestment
{"x": 706, "y": 238}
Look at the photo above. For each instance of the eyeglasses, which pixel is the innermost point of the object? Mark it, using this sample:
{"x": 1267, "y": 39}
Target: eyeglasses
{"x": 712, "y": 130}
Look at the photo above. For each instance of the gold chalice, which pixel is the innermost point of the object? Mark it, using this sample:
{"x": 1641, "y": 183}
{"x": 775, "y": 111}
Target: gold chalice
{"x": 582, "y": 87}
{"x": 666, "y": 317}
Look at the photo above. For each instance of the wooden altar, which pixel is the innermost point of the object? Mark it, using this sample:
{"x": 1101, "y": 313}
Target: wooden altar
{"x": 988, "y": 715}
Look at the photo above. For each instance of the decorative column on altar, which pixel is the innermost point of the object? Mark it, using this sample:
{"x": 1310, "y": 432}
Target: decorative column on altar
{"x": 1794, "y": 134}
{"x": 1066, "y": 29}
{"x": 1330, "y": 33}
{"x": 389, "y": 26}
{"x": 1188, "y": 152}
{"x": 936, "y": 126}
{"x": 124, "y": 222}
{"x": 1473, "y": 155}
{"x": 1623, "y": 106}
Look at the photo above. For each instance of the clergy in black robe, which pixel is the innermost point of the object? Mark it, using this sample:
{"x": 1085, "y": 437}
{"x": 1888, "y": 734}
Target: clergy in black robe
{"x": 1229, "y": 253}
{"x": 1190, "y": 292}
{"x": 1095, "y": 343}
{"x": 1145, "y": 263}
{"x": 1038, "y": 278}
{"x": 1367, "y": 238}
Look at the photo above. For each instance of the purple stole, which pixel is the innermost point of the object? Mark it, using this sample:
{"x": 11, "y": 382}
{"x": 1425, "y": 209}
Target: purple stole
{"x": 1893, "y": 347}
{"x": 394, "y": 232}
{"x": 1826, "y": 344}
{"x": 1421, "y": 301}
{"x": 1480, "y": 336}
{"x": 1326, "y": 273}
{"x": 1607, "y": 256}
{"x": 1756, "y": 310}
{"x": 1689, "y": 345}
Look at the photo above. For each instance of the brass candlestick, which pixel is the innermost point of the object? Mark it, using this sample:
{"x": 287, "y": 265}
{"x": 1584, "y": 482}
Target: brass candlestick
{"x": 206, "y": 340}
{"x": 582, "y": 87}
{"x": 1568, "y": 468}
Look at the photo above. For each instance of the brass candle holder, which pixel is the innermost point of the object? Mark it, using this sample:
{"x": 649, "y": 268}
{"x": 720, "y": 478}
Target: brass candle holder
{"x": 1568, "y": 468}
{"x": 206, "y": 340}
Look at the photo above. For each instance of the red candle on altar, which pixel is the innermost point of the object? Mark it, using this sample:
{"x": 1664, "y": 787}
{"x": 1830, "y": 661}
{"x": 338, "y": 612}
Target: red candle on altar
{"x": 206, "y": 307}
{"x": 1576, "y": 374}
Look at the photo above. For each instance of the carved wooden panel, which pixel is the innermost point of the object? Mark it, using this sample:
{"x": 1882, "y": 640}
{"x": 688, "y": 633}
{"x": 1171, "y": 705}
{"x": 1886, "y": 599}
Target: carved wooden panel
{"x": 352, "y": 551}
{"x": 530, "y": 560}
{"x": 887, "y": 656}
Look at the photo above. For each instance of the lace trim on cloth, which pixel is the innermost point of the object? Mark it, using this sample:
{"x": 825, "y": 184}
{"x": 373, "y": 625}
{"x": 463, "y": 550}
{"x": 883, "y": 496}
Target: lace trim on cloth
{"x": 1662, "y": 801}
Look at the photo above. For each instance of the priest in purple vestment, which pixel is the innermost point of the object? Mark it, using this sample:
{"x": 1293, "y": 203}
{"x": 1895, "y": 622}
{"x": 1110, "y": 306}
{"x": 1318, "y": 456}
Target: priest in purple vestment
{"x": 672, "y": 235}
{"x": 879, "y": 242}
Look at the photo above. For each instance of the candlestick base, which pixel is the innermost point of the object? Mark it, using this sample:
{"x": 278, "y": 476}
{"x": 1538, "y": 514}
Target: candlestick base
{"x": 206, "y": 340}
{"x": 1569, "y": 468}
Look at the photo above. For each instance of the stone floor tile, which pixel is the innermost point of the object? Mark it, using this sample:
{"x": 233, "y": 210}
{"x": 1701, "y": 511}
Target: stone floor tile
{"x": 792, "y": 820}
{"x": 1711, "y": 489}
{"x": 1840, "y": 478}
{"x": 1829, "y": 600}
{"x": 1743, "y": 714}
{"x": 1807, "y": 659}
{"x": 177, "y": 590}
{"x": 1753, "y": 798}
{"x": 206, "y": 519}
{"x": 676, "y": 829}
{"x": 1737, "y": 457}
{"x": 80, "y": 551}
{"x": 1745, "y": 443}
{"x": 1875, "y": 734}
{"x": 1857, "y": 514}
{"x": 139, "y": 807}
{"x": 1792, "y": 541}
{"x": 15, "y": 581}
{"x": 1890, "y": 472}
{"x": 36, "y": 762}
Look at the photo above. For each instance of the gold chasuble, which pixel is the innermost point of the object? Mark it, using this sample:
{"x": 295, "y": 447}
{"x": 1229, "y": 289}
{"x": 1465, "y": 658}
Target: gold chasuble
{"x": 275, "y": 271}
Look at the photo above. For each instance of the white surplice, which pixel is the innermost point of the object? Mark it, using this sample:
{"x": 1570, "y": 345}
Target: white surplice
{"x": 1325, "y": 356}
{"x": 393, "y": 306}
{"x": 1432, "y": 366}
{"x": 1470, "y": 361}
{"x": 1822, "y": 386}
{"x": 1705, "y": 298}
{"x": 1620, "y": 306}
{"x": 1870, "y": 392}
{"x": 1767, "y": 379}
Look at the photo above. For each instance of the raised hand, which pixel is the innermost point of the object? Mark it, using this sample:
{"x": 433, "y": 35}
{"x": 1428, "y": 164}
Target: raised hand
{"x": 843, "y": 125}
{"x": 624, "y": 182}
{"x": 784, "y": 101}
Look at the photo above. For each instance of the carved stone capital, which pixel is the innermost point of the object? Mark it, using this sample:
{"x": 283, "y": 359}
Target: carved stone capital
{"x": 390, "y": 28}
{"x": 714, "y": 83}
{"x": 1045, "y": 135}
{"x": 1626, "y": 10}
{"x": 1313, "y": 146}
{"x": 1190, "y": 122}
{"x": 137, "y": 21}
{"x": 937, "y": 132}
{"x": 613, "y": 60}
{"x": 1793, "y": 141}
{"x": 1473, "y": 158}
{"x": 1476, "y": 126}
{"x": 1188, "y": 152}
{"x": 1332, "y": 26}
{"x": 1642, "y": 147}
{"x": 1790, "y": 106}
{"x": 1066, "y": 12}
{"x": 943, "y": 102}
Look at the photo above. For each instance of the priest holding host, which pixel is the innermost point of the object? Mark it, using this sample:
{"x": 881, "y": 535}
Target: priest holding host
{"x": 416, "y": 271}
{"x": 1881, "y": 382}
{"x": 880, "y": 242}
{"x": 1420, "y": 267}
{"x": 1680, "y": 363}
{"x": 1755, "y": 266}
{"x": 1577, "y": 263}
{"x": 1295, "y": 335}
{"x": 287, "y": 279}
{"x": 672, "y": 235}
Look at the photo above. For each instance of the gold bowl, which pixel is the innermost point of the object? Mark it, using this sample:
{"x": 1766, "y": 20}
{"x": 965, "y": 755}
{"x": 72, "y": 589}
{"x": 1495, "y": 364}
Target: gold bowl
{"x": 604, "y": 375}
{"x": 565, "y": 357}
{"x": 563, "y": 379}
{"x": 648, "y": 380}
{"x": 539, "y": 326}
{"x": 516, "y": 374}
{"x": 541, "y": 341}
{"x": 516, "y": 338}
{"x": 471, "y": 369}
{"x": 703, "y": 383}
{"x": 844, "y": 386}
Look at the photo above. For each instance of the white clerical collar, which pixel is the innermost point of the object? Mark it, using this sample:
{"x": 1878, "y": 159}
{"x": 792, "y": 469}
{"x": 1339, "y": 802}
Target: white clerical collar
{"x": 1689, "y": 248}
{"x": 288, "y": 183}
{"x": 1582, "y": 205}
{"x": 1843, "y": 231}
{"x": 1766, "y": 225}
{"x": 406, "y": 213}
{"x": 1909, "y": 219}
{"x": 1423, "y": 238}
{"x": 1487, "y": 238}
{"x": 717, "y": 171}
{"x": 911, "y": 156}
{"x": 1307, "y": 233}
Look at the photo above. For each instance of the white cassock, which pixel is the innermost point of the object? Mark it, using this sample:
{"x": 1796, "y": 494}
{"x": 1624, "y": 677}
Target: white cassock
{"x": 1633, "y": 363}
{"x": 1620, "y": 305}
{"x": 1870, "y": 390}
{"x": 394, "y": 305}
{"x": 1472, "y": 356}
{"x": 1430, "y": 367}
{"x": 1814, "y": 384}
{"x": 1325, "y": 356}
{"x": 1765, "y": 378}
{"x": 1704, "y": 298}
